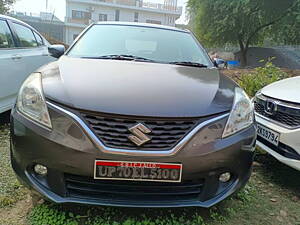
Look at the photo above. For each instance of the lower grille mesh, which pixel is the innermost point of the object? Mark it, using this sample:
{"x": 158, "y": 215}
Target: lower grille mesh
{"x": 88, "y": 188}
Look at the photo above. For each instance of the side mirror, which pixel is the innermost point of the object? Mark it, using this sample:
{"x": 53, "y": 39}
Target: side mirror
{"x": 56, "y": 50}
{"x": 220, "y": 63}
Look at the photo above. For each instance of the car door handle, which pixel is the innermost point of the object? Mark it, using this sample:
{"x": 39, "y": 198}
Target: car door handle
{"x": 16, "y": 57}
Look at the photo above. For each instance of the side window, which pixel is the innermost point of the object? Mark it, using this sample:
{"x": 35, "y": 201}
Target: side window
{"x": 25, "y": 35}
{"x": 38, "y": 39}
{"x": 6, "y": 39}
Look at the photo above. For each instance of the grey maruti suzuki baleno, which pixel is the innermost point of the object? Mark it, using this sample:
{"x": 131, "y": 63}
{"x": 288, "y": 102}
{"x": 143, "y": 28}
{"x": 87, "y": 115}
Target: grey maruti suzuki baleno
{"x": 133, "y": 115}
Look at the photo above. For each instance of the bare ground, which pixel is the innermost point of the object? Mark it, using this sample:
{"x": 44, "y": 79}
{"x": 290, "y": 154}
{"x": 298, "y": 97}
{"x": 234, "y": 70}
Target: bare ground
{"x": 17, "y": 213}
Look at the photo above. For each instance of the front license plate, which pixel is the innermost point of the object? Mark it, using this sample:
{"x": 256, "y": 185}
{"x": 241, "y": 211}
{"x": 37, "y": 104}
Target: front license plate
{"x": 268, "y": 134}
{"x": 137, "y": 171}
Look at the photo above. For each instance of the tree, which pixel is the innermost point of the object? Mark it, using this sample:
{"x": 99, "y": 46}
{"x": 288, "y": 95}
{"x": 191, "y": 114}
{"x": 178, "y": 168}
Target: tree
{"x": 239, "y": 22}
{"x": 288, "y": 31}
{"x": 5, "y": 5}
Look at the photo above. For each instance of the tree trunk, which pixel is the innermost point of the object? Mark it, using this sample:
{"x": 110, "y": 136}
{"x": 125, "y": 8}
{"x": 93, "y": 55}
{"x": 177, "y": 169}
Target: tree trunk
{"x": 243, "y": 51}
{"x": 244, "y": 59}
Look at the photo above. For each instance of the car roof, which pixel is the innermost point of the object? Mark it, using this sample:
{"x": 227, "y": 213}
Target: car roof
{"x": 150, "y": 25}
{"x": 15, "y": 20}
{"x": 18, "y": 21}
{"x": 25, "y": 24}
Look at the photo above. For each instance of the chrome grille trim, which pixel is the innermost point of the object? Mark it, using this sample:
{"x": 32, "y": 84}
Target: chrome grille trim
{"x": 278, "y": 102}
{"x": 109, "y": 150}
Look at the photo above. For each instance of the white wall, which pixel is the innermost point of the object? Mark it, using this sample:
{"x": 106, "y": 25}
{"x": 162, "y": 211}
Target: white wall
{"x": 70, "y": 32}
{"x": 126, "y": 15}
{"x": 110, "y": 12}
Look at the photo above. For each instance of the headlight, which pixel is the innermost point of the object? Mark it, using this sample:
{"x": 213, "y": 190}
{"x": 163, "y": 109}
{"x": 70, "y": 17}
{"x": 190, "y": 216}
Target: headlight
{"x": 31, "y": 101}
{"x": 241, "y": 115}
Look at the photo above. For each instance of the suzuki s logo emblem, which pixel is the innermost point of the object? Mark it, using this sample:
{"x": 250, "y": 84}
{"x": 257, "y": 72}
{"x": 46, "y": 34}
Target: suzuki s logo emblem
{"x": 270, "y": 107}
{"x": 139, "y": 136}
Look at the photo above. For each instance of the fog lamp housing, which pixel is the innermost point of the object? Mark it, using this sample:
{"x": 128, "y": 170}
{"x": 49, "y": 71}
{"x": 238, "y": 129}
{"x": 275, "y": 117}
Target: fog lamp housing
{"x": 40, "y": 170}
{"x": 225, "y": 177}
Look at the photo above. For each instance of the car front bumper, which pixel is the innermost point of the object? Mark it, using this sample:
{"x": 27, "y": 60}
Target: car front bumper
{"x": 288, "y": 151}
{"x": 69, "y": 154}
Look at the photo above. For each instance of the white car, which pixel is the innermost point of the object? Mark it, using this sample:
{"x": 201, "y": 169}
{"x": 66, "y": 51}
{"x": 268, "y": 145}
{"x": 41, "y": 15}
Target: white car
{"x": 22, "y": 51}
{"x": 277, "y": 109}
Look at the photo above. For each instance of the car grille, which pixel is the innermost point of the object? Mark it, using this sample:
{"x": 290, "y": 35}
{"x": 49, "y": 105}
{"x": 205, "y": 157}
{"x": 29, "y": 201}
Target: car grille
{"x": 89, "y": 188}
{"x": 113, "y": 131}
{"x": 285, "y": 115}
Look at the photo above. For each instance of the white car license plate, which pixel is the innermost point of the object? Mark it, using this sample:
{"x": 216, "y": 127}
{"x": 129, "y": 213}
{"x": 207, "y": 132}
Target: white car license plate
{"x": 268, "y": 134}
{"x": 137, "y": 171}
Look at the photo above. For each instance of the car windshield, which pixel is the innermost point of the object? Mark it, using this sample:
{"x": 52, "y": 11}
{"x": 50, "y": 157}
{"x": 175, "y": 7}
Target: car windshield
{"x": 140, "y": 43}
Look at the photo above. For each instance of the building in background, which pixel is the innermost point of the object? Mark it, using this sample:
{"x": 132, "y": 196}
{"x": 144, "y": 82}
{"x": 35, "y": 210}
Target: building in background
{"x": 46, "y": 23}
{"x": 81, "y": 13}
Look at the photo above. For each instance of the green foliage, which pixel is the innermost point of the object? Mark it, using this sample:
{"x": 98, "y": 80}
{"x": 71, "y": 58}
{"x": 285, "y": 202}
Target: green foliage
{"x": 262, "y": 76}
{"x": 50, "y": 214}
{"x": 239, "y": 22}
{"x": 217, "y": 216}
{"x": 46, "y": 215}
{"x": 221, "y": 22}
{"x": 246, "y": 194}
{"x": 287, "y": 32}
{"x": 4, "y": 5}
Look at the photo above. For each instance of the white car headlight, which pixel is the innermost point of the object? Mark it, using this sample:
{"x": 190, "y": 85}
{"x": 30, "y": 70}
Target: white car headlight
{"x": 241, "y": 115}
{"x": 31, "y": 101}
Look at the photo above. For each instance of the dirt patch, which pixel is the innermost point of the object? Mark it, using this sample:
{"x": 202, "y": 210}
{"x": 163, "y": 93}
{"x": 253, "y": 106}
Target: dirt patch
{"x": 236, "y": 73}
{"x": 16, "y": 214}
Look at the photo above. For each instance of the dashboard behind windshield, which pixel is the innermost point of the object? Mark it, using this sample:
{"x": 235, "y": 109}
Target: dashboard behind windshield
{"x": 156, "y": 44}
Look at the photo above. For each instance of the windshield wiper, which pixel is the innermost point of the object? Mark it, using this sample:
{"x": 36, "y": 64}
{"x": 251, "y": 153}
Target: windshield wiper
{"x": 122, "y": 57}
{"x": 185, "y": 63}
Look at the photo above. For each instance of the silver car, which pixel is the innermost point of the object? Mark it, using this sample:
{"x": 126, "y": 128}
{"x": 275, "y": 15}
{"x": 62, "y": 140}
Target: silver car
{"x": 22, "y": 51}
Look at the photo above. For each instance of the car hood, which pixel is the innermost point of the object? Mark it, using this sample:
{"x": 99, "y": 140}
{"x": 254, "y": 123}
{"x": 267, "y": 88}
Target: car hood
{"x": 286, "y": 90}
{"x": 137, "y": 88}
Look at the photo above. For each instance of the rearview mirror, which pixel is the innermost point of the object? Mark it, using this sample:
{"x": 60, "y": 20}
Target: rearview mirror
{"x": 56, "y": 50}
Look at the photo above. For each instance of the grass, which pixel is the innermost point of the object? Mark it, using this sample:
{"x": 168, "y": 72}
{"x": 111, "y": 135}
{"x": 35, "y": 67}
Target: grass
{"x": 9, "y": 185}
{"x": 12, "y": 194}
{"x": 270, "y": 198}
